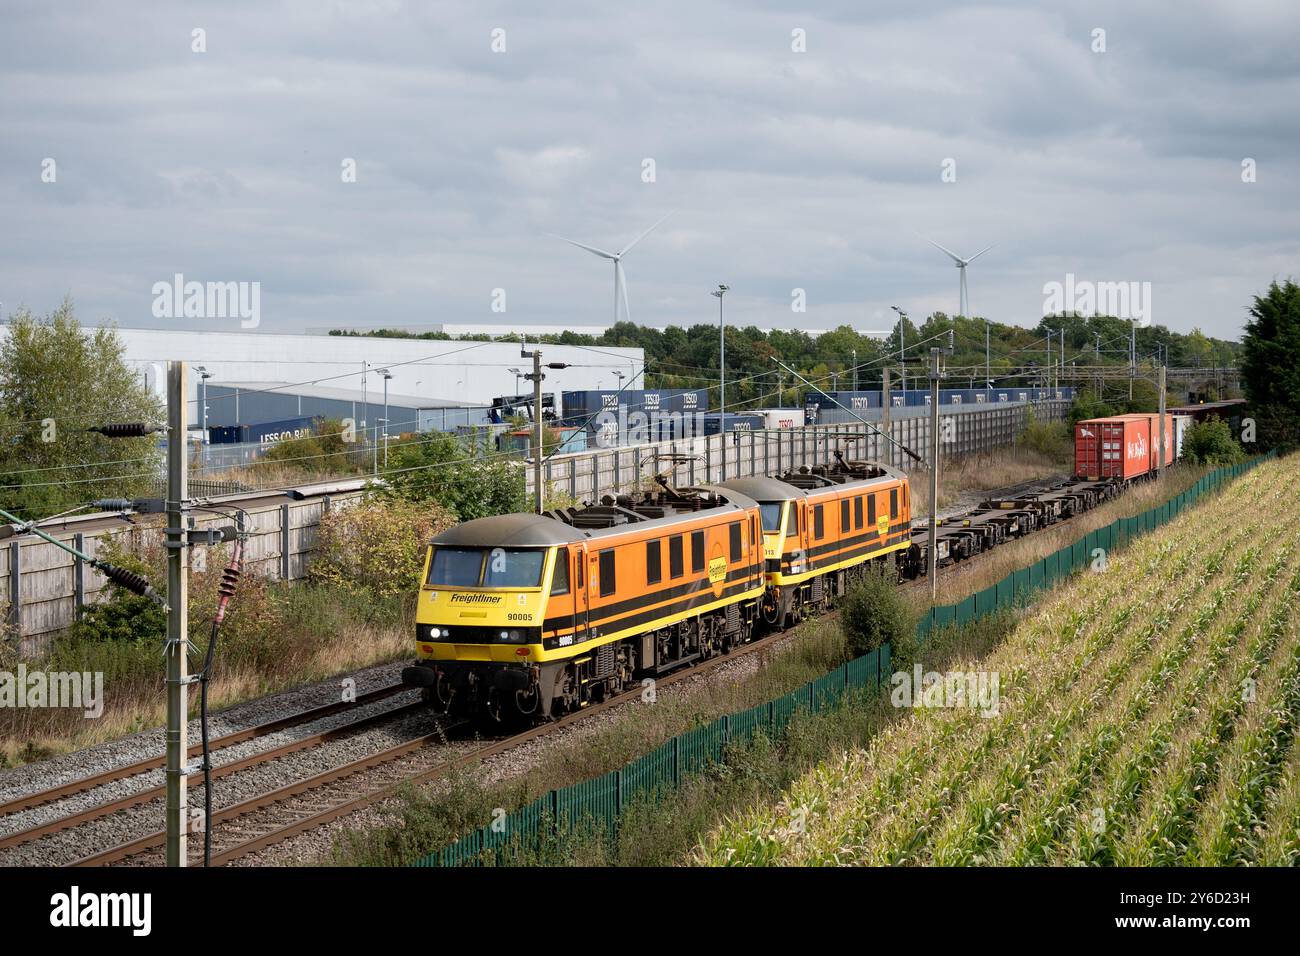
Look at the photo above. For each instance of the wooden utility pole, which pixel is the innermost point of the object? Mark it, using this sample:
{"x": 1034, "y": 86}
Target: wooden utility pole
{"x": 177, "y": 616}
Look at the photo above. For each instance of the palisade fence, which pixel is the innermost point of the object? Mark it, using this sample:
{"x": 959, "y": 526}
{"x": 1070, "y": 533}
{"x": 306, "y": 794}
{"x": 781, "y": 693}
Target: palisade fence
{"x": 598, "y": 804}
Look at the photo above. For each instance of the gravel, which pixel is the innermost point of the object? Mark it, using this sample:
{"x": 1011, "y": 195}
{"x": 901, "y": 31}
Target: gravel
{"x": 308, "y": 848}
{"x": 315, "y": 846}
{"x": 126, "y": 825}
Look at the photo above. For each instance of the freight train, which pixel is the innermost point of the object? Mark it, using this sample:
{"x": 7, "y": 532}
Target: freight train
{"x": 527, "y": 616}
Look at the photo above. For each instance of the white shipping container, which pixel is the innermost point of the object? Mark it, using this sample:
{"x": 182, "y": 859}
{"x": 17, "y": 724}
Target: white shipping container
{"x": 1181, "y": 424}
{"x": 782, "y": 417}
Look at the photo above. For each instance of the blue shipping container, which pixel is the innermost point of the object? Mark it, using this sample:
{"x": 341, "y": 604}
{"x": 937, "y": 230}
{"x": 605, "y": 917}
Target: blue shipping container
{"x": 284, "y": 429}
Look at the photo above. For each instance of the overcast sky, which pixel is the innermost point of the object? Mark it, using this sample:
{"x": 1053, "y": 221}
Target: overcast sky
{"x": 781, "y": 169}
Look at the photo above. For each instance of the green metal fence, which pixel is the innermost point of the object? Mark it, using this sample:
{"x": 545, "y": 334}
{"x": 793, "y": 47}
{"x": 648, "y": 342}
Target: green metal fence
{"x": 1015, "y": 587}
{"x": 600, "y": 802}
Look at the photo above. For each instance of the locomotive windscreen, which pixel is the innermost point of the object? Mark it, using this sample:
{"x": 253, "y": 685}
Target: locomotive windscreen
{"x": 486, "y": 567}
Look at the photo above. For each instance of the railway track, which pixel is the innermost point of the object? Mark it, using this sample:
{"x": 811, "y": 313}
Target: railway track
{"x": 1007, "y": 514}
{"x": 82, "y": 785}
{"x": 268, "y": 818}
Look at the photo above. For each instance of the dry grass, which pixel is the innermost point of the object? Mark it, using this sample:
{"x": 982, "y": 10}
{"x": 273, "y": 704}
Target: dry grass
{"x": 422, "y": 827}
{"x": 275, "y": 474}
{"x": 985, "y": 471}
{"x": 957, "y": 582}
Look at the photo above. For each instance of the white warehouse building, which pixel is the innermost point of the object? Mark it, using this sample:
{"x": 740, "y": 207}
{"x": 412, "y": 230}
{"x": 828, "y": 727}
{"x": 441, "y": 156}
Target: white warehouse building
{"x": 445, "y": 373}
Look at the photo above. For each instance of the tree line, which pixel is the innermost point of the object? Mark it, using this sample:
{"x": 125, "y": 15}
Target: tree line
{"x": 688, "y": 357}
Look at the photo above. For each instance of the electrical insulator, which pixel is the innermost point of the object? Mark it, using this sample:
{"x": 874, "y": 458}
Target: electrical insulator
{"x": 229, "y": 578}
{"x": 135, "y": 583}
{"x": 125, "y": 429}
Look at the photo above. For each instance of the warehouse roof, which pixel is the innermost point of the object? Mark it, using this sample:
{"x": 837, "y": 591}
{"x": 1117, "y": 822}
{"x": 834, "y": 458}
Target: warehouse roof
{"x": 376, "y": 394}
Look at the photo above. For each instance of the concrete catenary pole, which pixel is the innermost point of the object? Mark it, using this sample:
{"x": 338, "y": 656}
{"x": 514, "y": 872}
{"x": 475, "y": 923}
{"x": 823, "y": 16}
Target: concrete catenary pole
{"x": 722, "y": 290}
{"x": 1132, "y": 356}
{"x": 936, "y": 373}
{"x": 177, "y": 616}
{"x": 538, "y": 444}
{"x": 204, "y": 375}
{"x": 1062, "y": 375}
{"x": 387, "y": 375}
{"x": 1160, "y": 384}
{"x": 933, "y": 548}
{"x": 722, "y": 359}
{"x": 884, "y": 409}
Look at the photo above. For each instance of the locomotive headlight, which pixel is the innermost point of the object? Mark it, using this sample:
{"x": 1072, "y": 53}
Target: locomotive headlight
{"x": 435, "y": 633}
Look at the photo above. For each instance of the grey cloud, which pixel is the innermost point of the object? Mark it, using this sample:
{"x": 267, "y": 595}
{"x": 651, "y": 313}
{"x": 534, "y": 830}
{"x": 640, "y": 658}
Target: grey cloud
{"x": 811, "y": 170}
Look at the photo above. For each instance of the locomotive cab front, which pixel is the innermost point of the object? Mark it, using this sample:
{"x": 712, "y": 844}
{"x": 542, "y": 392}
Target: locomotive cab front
{"x": 483, "y": 603}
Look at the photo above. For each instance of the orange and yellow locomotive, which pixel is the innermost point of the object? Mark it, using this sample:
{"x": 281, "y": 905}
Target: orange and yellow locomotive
{"x": 538, "y": 615}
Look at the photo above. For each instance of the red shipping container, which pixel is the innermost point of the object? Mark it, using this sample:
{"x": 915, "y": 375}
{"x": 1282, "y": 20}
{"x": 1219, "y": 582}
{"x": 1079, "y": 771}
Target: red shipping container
{"x": 1120, "y": 447}
{"x": 1171, "y": 443}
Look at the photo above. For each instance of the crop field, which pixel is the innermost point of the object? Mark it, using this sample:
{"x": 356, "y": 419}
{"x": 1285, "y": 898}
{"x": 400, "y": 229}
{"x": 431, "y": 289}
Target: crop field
{"x": 1145, "y": 716}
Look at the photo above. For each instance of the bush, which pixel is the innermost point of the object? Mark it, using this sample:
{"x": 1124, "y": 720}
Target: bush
{"x": 1211, "y": 443}
{"x": 1051, "y": 439}
{"x": 875, "y": 611}
{"x": 377, "y": 547}
{"x": 126, "y": 617}
{"x": 324, "y": 452}
{"x": 123, "y": 617}
{"x": 467, "y": 479}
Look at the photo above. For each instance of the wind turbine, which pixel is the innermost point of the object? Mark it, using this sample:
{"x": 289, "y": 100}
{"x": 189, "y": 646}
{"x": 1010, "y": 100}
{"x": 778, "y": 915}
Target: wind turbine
{"x": 962, "y": 305}
{"x": 961, "y": 265}
{"x": 620, "y": 280}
